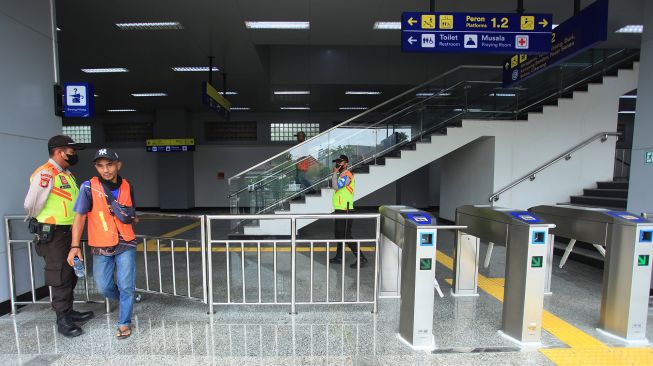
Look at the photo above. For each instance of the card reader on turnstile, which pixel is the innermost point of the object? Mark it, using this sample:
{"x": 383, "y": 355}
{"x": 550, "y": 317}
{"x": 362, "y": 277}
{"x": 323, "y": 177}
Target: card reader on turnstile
{"x": 628, "y": 240}
{"x": 407, "y": 268}
{"x": 526, "y": 237}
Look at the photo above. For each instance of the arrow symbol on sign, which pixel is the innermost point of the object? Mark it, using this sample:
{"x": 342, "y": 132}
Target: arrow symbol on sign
{"x": 411, "y": 21}
{"x": 543, "y": 23}
{"x": 537, "y": 262}
{"x": 642, "y": 260}
{"x": 411, "y": 40}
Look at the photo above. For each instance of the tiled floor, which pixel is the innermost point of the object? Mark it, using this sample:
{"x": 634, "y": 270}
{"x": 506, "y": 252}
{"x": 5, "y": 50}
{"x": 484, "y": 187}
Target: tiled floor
{"x": 178, "y": 331}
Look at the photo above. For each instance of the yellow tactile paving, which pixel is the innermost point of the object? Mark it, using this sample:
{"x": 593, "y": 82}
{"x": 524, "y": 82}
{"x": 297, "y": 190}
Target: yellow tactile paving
{"x": 585, "y": 350}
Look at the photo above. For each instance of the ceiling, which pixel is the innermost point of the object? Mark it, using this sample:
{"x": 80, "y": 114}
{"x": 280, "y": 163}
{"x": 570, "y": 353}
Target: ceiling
{"x": 340, "y": 52}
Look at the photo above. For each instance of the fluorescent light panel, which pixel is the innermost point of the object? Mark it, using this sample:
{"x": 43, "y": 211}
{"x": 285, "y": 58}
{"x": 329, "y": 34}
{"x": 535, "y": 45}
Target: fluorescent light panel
{"x": 628, "y": 97}
{"x": 362, "y": 92}
{"x": 193, "y": 68}
{"x": 468, "y": 110}
{"x": 105, "y": 70}
{"x": 631, "y": 28}
{"x": 554, "y": 26}
{"x": 386, "y": 25}
{"x": 120, "y": 110}
{"x": 502, "y": 94}
{"x": 292, "y": 92}
{"x": 139, "y": 95}
{"x": 229, "y": 92}
{"x": 296, "y": 108}
{"x": 353, "y": 108}
{"x": 150, "y": 26}
{"x": 626, "y": 112}
{"x": 277, "y": 25}
{"x": 240, "y": 108}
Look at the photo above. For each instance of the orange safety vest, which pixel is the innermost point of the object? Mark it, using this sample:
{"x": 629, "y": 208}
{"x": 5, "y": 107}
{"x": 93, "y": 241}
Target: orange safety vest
{"x": 103, "y": 227}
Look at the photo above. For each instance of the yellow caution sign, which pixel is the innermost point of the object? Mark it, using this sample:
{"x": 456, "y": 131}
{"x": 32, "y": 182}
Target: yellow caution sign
{"x": 428, "y": 21}
{"x": 514, "y": 61}
{"x": 527, "y": 22}
{"x": 446, "y": 21}
{"x": 170, "y": 142}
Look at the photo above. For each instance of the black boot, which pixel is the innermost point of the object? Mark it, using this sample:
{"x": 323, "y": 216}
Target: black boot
{"x": 83, "y": 316}
{"x": 66, "y": 326}
{"x": 363, "y": 263}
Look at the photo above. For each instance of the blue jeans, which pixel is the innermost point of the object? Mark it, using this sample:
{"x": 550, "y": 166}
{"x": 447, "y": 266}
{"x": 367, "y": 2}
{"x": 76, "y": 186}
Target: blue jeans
{"x": 124, "y": 266}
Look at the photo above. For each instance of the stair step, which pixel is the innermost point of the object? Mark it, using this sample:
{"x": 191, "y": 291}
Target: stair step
{"x": 612, "y": 185}
{"x": 599, "y": 192}
{"x": 600, "y": 201}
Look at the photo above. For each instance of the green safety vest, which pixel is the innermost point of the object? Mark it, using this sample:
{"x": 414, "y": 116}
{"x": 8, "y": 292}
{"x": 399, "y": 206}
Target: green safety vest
{"x": 58, "y": 208}
{"x": 343, "y": 199}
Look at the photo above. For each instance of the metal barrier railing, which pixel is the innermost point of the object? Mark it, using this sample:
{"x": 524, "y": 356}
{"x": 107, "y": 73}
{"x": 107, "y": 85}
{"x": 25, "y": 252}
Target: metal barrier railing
{"x": 29, "y": 243}
{"x": 291, "y": 245}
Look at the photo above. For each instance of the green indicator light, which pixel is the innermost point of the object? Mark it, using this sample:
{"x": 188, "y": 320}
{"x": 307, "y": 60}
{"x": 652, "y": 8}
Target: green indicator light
{"x": 643, "y": 260}
{"x": 536, "y": 261}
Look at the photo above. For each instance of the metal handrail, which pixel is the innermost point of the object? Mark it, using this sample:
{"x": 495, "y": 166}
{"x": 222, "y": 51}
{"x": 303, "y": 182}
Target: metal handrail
{"x": 565, "y": 155}
{"x": 409, "y": 91}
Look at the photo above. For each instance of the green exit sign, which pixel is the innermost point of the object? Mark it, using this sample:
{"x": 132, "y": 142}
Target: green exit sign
{"x": 536, "y": 261}
{"x": 643, "y": 260}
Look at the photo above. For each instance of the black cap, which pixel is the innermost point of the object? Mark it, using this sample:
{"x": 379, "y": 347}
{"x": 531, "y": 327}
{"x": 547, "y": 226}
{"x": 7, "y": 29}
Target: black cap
{"x": 341, "y": 158}
{"x": 63, "y": 141}
{"x": 104, "y": 153}
{"x": 300, "y": 133}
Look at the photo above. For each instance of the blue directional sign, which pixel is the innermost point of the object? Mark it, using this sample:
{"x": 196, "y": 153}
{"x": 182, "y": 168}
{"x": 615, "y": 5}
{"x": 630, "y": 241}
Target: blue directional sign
{"x": 476, "y": 32}
{"x": 575, "y": 35}
{"x": 419, "y": 218}
{"x": 526, "y": 217}
{"x": 79, "y": 100}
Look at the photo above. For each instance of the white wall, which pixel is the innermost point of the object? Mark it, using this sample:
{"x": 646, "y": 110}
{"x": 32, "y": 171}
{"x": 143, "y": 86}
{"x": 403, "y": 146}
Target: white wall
{"x": 27, "y": 119}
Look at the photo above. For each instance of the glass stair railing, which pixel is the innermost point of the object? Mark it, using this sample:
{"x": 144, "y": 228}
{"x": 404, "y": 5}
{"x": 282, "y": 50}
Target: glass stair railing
{"x": 472, "y": 92}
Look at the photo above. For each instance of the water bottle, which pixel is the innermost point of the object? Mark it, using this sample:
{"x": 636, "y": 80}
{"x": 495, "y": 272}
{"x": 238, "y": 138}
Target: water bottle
{"x": 78, "y": 266}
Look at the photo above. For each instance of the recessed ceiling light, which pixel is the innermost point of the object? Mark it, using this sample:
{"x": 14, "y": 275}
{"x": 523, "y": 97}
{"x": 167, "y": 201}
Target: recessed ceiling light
{"x": 353, "y": 108}
{"x": 120, "y": 110}
{"x": 296, "y": 108}
{"x": 292, "y": 92}
{"x": 138, "y": 95}
{"x": 424, "y": 94}
{"x": 468, "y": 110}
{"x": 362, "y": 92}
{"x": 105, "y": 70}
{"x": 628, "y": 97}
{"x": 150, "y": 26}
{"x": 229, "y": 92}
{"x": 58, "y": 29}
{"x": 239, "y": 108}
{"x": 193, "y": 68}
{"x": 277, "y": 25}
{"x": 631, "y": 28}
{"x": 626, "y": 112}
{"x": 387, "y": 25}
{"x": 444, "y": 94}
{"x": 503, "y": 94}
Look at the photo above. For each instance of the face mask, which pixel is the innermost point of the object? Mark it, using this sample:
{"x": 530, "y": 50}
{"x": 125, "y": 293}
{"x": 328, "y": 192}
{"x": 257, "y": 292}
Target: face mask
{"x": 72, "y": 159}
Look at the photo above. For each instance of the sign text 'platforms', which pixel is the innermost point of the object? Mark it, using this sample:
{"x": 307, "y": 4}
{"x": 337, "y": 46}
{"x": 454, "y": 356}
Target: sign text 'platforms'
{"x": 575, "y": 35}
{"x": 476, "y": 32}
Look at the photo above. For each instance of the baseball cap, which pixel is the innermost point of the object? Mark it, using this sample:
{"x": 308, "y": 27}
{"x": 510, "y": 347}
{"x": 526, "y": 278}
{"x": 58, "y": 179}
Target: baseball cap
{"x": 340, "y": 158}
{"x": 63, "y": 141}
{"x": 300, "y": 133}
{"x": 105, "y": 153}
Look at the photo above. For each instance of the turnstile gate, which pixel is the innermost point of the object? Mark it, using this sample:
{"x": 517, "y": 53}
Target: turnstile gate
{"x": 527, "y": 242}
{"x": 628, "y": 239}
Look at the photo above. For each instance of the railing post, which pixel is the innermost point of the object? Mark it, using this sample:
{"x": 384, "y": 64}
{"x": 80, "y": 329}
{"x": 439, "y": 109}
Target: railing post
{"x": 10, "y": 267}
{"x": 376, "y": 264}
{"x": 209, "y": 254}
{"x": 293, "y": 249}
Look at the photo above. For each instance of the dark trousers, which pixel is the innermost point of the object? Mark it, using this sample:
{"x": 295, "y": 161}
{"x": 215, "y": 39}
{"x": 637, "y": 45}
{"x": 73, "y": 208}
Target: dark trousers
{"x": 342, "y": 230}
{"x": 58, "y": 273}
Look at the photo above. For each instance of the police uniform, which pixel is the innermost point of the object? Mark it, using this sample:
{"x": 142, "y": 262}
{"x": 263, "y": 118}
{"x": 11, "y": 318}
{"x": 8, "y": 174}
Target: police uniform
{"x": 49, "y": 201}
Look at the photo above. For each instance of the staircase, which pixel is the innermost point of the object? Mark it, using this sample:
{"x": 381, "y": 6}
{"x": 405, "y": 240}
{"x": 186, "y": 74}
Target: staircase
{"x": 612, "y": 195}
{"x": 447, "y": 114}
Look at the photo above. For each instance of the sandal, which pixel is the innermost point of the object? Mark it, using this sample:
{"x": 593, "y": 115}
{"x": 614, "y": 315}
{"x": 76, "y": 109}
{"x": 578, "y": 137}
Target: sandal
{"x": 124, "y": 332}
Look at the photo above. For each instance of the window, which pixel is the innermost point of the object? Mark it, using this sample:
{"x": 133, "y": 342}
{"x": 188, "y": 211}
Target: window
{"x": 230, "y": 131}
{"x": 287, "y": 131}
{"x": 127, "y": 132}
{"x": 80, "y": 134}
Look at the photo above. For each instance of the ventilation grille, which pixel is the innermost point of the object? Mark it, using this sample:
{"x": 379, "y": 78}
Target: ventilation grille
{"x": 127, "y": 132}
{"x": 230, "y": 131}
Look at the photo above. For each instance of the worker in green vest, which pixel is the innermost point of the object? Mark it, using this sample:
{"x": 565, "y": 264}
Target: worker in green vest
{"x": 49, "y": 206}
{"x": 344, "y": 185}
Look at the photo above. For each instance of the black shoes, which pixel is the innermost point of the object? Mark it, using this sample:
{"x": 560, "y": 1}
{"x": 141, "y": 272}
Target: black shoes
{"x": 363, "y": 263}
{"x": 336, "y": 260}
{"x": 66, "y": 326}
{"x": 83, "y": 316}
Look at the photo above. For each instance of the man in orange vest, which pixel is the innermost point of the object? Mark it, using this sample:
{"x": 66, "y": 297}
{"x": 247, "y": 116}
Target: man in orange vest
{"x": 108, "y": 202}
{"x": 49, "y": 205}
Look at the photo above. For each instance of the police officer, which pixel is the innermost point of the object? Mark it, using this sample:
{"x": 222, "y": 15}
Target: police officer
{"x": 344, "y": 184}
{"x": 49, "y": 205}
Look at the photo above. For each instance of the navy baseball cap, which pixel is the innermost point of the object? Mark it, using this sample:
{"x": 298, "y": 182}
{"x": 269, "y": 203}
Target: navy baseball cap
{"x": 106, "y": 153}
{"x": 341, "y": 158}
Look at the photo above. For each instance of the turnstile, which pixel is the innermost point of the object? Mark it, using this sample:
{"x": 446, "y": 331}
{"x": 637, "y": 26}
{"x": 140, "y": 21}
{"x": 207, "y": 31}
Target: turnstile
{"x": 627, "y": 270}
{"x": 527, "y": 242}
{"x": 407, "y": 260}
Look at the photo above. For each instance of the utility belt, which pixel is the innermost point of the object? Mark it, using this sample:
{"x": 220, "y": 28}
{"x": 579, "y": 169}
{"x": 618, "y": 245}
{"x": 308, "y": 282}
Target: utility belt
{"x": 45, "y": 232}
